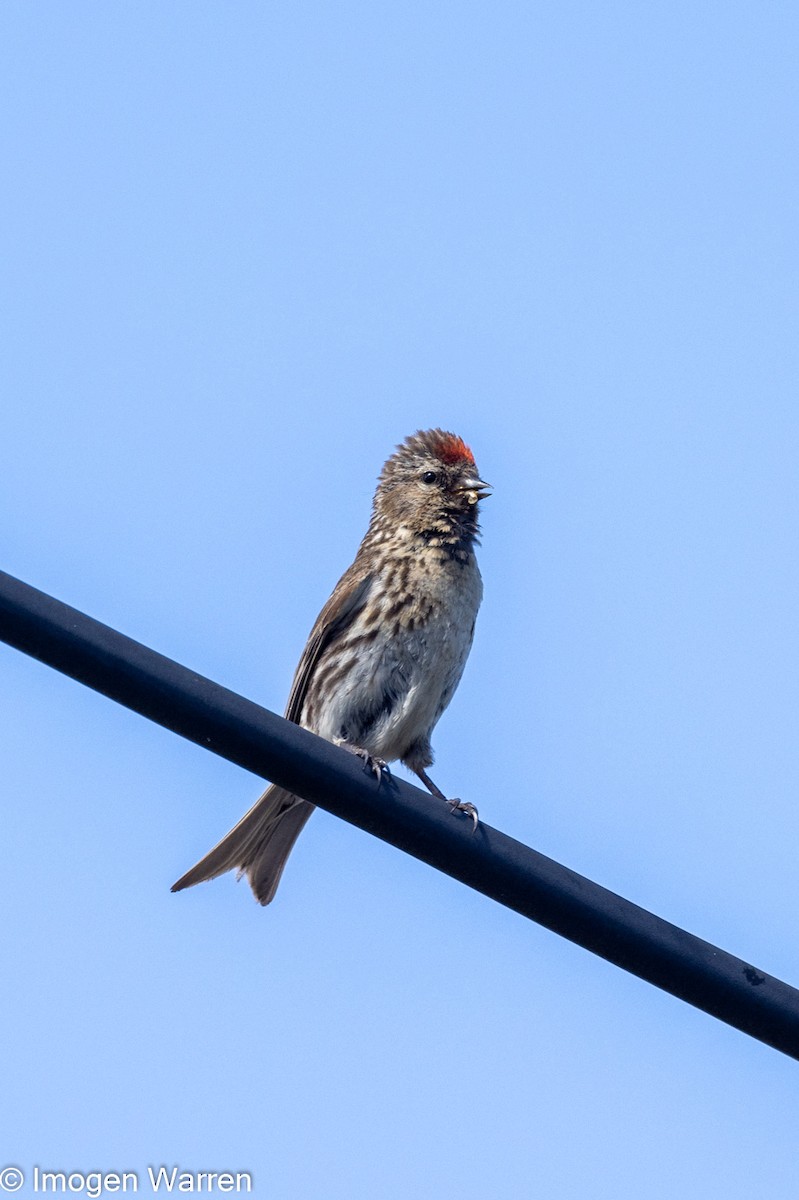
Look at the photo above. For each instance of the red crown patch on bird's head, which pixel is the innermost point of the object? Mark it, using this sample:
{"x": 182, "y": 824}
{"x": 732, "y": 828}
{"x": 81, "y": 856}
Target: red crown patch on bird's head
{"x": 448, "y": 448}
{"x": 452, "y": 449}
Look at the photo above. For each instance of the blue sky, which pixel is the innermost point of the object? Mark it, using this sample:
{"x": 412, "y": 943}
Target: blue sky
{"x": 247, "y": 249}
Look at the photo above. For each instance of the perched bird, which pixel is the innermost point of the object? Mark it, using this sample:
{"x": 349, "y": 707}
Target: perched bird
{"x": 388, "y": 649}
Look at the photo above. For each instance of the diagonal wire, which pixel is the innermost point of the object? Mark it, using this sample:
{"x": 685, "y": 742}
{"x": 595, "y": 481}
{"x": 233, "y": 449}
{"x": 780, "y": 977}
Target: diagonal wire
{"x": 485, "y": 859}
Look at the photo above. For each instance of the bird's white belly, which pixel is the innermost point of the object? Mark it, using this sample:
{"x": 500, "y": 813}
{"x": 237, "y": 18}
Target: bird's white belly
{"x": 400, "y": 683}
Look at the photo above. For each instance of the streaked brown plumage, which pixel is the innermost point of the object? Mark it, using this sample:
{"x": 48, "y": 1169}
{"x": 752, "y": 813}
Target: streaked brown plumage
{"x": 388, "y": 649}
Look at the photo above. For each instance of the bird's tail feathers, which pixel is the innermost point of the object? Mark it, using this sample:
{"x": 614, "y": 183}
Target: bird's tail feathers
{"x": 257, "y": 846}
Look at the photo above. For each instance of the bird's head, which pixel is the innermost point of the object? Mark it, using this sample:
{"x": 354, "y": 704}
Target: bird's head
{"x": 431, "y": 482}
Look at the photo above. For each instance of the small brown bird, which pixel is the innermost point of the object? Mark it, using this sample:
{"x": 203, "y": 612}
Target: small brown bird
{"x": 387, "y": 650}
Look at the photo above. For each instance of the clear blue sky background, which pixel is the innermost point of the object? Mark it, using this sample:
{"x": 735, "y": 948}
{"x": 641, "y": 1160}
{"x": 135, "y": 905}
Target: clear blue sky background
{"x": 247, "y": 248}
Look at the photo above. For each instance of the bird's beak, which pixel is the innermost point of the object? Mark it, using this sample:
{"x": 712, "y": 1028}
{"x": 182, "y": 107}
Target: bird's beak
{"x": 475, "y": 489}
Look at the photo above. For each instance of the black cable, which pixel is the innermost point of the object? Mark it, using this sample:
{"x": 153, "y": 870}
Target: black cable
{"x": 485, "y": 859}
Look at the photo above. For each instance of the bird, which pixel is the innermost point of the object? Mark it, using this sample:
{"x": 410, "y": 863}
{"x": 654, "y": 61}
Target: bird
{"x": 388, "y": 649}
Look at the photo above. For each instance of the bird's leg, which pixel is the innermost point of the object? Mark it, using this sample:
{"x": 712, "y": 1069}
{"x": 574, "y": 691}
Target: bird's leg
{"x": 463, "y": 806}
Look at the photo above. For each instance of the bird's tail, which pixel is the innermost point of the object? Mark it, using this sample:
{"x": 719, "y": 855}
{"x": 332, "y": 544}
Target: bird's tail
{"x": 258, "y": 846}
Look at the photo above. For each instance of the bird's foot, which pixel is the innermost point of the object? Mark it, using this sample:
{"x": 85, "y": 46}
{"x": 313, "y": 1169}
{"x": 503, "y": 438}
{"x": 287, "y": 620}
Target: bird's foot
{"x": 378, "y": 766}
{"x": 466, "y": 807}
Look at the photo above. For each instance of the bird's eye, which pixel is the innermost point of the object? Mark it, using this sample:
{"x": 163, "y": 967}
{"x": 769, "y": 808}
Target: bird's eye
{"x": 429, "y": 477}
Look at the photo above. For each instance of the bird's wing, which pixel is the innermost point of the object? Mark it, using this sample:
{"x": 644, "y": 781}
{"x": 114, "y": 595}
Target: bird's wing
{"x": 342, "y": 608}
